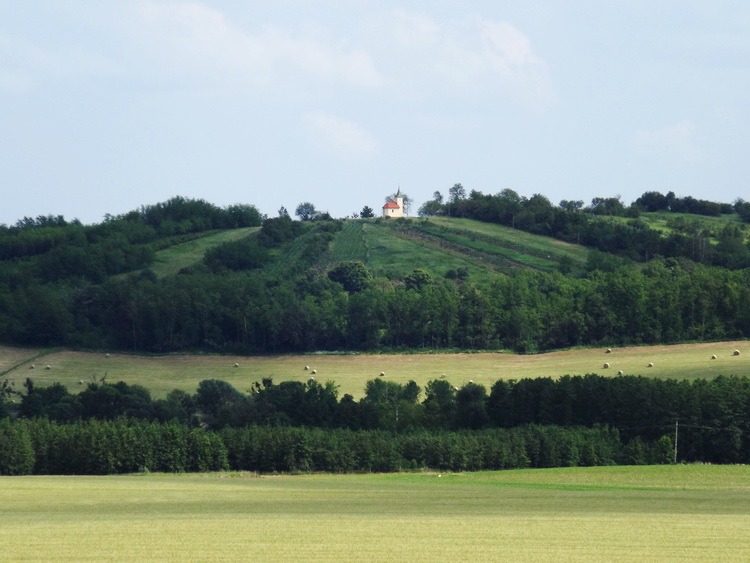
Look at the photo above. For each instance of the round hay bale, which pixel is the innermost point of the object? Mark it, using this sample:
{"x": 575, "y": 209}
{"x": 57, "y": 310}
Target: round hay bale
{"x": 713, "y": 357}
{"x": 307, "y": 368}
{"x": 80, "y": 382}
{"x": 236, "y": 365}
{"x": 619, "y": 372}
{"x": 107, "y": 355}
{"x": 650, "y": 364}
{"x": 314, "y": 371}
{"x": 32, "y": 366}
{"x": 442, "y": 376}
{"x": 736, "y": 353}
{"x": 382, "y": 374}
{"x": 608, "y": 351}
{"x": 311, "y": 379}
{"x": 48, "y": 366}
{"x": 606, "y": 366}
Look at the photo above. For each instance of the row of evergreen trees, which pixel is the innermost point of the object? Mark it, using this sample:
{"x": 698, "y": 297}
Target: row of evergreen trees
{"x": 93, "y": 447}
{"x": 713, "y": 415}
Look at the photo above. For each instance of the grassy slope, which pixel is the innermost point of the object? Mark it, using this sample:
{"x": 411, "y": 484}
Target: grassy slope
{"x": 525, "y": 248}
{"x": 482, "y": 248}
{"x": 668, "y": 513}
{"x": 171, "y": 260}
{"x": 161, "y": 374}
{"x": 659, "y": 220}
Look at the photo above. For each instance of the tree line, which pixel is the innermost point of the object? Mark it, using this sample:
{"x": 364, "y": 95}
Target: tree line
{"x": 712, "y": 415}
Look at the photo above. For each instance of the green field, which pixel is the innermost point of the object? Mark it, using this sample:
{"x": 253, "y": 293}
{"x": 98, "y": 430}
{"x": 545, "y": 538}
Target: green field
{"x": 161, "y": 374}
{"x": 665, "y": 513}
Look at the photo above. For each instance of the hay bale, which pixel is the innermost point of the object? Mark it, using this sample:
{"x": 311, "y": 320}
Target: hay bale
{"x": 80, "y": 382}
{"x": 314, "y": 371}
{"x": 713, "y": 357}
{"x": 48, "y": 366}
{"x": 382, "y": 374}
{"x": 608, "y": 351}
{"x": 650, "y": 364}
{"x": 606, "y": 366}
{"x": 307, "y": 368}
{"x": 32, "y": 366}
{"x": 442, "y": 376}
{"x": 736, "y": 353}
{"x": 619, "y": 372}
{"x": 236, "y": 365}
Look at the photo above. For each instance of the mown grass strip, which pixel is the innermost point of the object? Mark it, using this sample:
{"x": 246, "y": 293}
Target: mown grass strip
{"x": 499, "y": 516}
{"x": 173, "y": 259}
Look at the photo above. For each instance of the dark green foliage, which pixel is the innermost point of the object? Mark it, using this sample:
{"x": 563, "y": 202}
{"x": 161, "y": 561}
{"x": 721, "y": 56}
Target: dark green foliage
{"x": 353, "y": 276}
{"x": 238, "y": 255}
{"x": 306, "y": 211}
{"x": 16, "y": 449}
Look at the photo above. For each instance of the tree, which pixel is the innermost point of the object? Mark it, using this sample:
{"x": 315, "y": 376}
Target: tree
{"x": 437, "y": 197}
{"x": 354, "y": 276}
{"x": 283, "y": 212}
{"x": 306, "y": 211}
{"x": 405, "y": 197}
{"x": 366, "y": 212}
{"x": 418, "y": 279}
{"x": 457, "y": 192}
{"x": 571, "y": 205}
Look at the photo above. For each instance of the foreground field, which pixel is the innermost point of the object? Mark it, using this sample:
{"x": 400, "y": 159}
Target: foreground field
{"x": 666, "y": 513}
{"x": 161, "y": 374}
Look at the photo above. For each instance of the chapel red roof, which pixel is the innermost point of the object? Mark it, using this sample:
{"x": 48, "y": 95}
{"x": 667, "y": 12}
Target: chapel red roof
{"x": 391, "y": 205}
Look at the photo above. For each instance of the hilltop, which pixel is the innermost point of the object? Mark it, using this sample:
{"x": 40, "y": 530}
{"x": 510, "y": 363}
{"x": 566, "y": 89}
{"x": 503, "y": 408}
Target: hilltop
{"x": 479, "y": 273}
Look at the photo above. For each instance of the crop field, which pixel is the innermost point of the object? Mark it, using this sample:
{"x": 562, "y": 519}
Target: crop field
{"x": 523, "y": 243}
{"x": 350, "y": 244}
{"x": 173, "y": 259}
{"x": 393, "y": 255}
{"x": 663, "y": 513}
{"x": 161, "y": 374}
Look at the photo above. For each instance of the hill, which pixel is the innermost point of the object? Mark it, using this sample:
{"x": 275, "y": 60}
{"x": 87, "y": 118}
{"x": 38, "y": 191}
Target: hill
{"x": 500, "y": 273}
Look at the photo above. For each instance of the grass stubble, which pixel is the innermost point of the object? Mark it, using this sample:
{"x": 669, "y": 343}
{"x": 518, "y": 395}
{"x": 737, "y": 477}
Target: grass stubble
{"x": 161, "y": 374}
{"x": 665, "y": 513}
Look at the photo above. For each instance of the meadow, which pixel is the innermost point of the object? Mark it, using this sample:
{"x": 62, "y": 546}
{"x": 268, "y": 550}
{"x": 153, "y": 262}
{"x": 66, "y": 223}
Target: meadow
{"x": 161, "y": 374}
{"x": 171, "y": 260}
{"x": 660, "y": 513}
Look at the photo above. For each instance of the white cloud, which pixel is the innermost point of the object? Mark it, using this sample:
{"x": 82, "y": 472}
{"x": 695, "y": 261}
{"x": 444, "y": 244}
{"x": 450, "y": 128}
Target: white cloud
{"x": 675, "y": 143}
{"x": 471, "y": 54}
{"x": 340, "y": 137}
{"x": 200, "y": 40}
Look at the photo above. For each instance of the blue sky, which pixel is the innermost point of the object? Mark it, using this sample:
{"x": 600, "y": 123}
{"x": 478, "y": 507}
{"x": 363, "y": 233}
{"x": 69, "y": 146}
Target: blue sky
{"x": 106, "y": 106}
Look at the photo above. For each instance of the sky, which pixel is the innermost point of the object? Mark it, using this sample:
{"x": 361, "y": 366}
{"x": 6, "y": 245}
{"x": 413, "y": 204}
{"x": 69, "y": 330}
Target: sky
{"x": 106, "y": 106}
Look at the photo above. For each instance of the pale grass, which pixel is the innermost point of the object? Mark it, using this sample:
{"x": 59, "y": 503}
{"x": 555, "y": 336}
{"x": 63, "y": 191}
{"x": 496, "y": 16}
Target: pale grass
{"x": 161, "y": 374}
{"x": 600, "y": 514}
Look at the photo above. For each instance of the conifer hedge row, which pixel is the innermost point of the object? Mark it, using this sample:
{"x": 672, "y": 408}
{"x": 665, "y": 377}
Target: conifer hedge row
{"x": 95, "y": 447}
